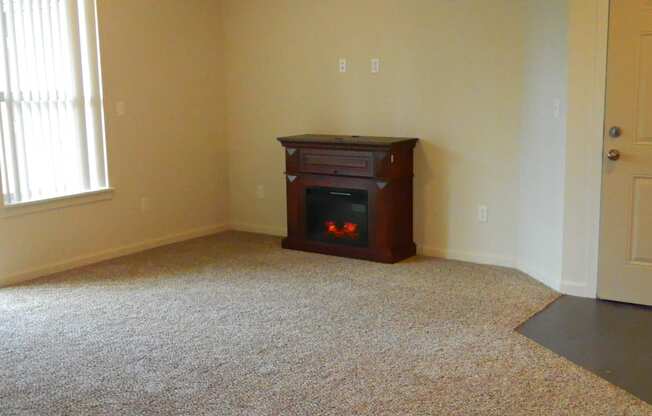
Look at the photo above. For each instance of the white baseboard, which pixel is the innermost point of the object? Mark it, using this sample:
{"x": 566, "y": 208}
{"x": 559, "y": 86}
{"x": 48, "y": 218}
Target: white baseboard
{"x": 567, "y": 287}
{"x": 495, "y": 260}
{"x": 480, "y": 258}
{"x": 258, "y": 229}
{"x": 109, "y": 254}
{"x": 489, "y": 259}
{"x": 425, "y": 251}
{"x": 580, "y": 289}
{"x": 544, "y": 277}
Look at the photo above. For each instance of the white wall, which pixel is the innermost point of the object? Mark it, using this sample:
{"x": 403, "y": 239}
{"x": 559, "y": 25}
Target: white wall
{"x": 543, "y": 142}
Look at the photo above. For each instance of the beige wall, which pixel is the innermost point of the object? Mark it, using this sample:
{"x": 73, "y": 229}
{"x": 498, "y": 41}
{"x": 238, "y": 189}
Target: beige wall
{"x": 163, "y": 60}
{"x": 451, "y": 74}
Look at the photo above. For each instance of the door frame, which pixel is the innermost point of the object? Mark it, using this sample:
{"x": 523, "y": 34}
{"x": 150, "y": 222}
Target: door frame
{"x": 588, "y": 29}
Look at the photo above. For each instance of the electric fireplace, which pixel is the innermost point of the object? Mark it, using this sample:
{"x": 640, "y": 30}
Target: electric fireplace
{"x": 350, "y": 196}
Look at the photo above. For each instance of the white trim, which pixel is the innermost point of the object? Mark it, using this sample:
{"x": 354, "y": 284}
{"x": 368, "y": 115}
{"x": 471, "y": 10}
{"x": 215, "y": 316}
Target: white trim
{"x": 576, "y": 289}
{"x": 479, "y": 258}
{"x": 110, "y": 254}
{"x": 31, "y": 207}
{"x": 548, "y": 279}
{"x": 573, "y": 288}
{"x": 595, "y": 172}
{"x": 492, "y": 260}
{"x": 258, "y": 229}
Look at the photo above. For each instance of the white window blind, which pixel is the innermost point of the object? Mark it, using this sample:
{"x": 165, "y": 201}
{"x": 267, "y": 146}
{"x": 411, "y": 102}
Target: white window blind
{"x": 52, "y": 130}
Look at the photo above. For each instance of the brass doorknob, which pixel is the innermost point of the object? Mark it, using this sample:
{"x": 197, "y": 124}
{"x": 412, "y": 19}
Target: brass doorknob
{"x": 613, "y": 154}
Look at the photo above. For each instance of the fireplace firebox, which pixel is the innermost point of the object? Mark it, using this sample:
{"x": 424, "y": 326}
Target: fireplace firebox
{"x": 350, "y": 196}
{"x": 337, "y": 216}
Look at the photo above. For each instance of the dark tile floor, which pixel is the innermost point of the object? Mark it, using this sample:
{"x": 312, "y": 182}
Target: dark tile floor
{"x": 613, "y": 340}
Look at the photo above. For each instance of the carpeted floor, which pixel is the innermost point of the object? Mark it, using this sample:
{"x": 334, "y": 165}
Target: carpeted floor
{"x": 234, "y": 325}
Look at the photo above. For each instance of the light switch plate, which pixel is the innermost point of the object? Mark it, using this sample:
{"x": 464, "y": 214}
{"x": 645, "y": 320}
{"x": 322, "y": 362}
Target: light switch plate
{"x": 483, "y": 213}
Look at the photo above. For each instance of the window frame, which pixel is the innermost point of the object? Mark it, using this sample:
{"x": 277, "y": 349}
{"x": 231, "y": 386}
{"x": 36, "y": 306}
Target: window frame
{"x": 59, "y": 202}
{"x": 104, "y": 193}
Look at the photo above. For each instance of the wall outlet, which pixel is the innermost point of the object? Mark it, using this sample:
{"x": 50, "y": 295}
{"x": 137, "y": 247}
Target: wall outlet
{"x": 342, "y": 65}
{"x": 260, "y": 192}
{"x": 145, "y": 204}
{"x": 483, "y": 213}
{"x": 375, "y": 65}
{"x": 120, "y": 108}
{"x": 556, "y": 108}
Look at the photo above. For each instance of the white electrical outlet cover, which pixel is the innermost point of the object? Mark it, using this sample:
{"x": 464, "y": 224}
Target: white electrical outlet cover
{"x": 342, "y": 64}
{"x": 375, "y": 65}
{"x": 556, "y": 108}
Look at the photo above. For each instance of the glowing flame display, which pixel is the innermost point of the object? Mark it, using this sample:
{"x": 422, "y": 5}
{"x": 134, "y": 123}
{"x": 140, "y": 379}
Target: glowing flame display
{"x": 348, "y": 230}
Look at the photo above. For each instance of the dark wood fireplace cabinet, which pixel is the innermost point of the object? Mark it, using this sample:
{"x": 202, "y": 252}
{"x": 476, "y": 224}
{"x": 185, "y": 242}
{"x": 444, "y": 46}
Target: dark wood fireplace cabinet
{"x": 350, "y": 196}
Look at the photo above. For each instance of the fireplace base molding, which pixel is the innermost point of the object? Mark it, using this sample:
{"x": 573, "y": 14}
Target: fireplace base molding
{"x": 350, "y": 196}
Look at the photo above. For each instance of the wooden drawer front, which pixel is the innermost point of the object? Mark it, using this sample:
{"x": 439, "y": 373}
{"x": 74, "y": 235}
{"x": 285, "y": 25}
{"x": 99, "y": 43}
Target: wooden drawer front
{"x": 337, "y": 162}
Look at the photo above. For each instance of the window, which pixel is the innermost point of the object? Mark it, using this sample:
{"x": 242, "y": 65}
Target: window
{"x": 52, "y": 129}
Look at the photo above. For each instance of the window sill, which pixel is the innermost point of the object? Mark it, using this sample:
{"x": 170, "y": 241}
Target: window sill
{"x": 32, "y": 207}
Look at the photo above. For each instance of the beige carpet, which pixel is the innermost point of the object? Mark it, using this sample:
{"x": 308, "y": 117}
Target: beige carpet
{"x": 234, "y": 325}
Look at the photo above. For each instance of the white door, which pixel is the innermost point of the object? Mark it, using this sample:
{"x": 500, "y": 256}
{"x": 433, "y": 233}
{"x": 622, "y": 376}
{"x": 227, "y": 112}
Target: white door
{"x": 625, "y": 269}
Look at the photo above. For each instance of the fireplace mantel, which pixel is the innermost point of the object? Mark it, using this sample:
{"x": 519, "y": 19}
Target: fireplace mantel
{"x": 375, "y": 171}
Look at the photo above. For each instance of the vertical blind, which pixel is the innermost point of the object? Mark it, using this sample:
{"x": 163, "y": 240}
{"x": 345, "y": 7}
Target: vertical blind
{"x": 52, "y": 131}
